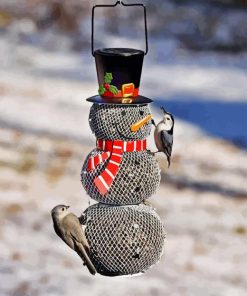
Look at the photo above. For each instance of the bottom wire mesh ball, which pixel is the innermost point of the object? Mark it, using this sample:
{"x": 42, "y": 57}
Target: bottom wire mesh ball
{"x": 137, "y": 179}
{"x": 124, "y": 240}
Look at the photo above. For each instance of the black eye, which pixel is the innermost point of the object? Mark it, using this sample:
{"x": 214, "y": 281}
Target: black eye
{"x": 123, "y": 113}
{"x": 168, "y": 118}
{"x": 62, "y": 209}
{"x": 137, "y": 189}
{"x": 141, "y": 112}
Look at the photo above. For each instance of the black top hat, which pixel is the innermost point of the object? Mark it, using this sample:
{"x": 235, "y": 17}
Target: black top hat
{"x": 119, "y": 72}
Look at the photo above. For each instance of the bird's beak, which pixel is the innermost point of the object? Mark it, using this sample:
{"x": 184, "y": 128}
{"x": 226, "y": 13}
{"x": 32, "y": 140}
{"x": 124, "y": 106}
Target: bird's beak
{"x": 163, "y": 109}
{"x": 137, "y": 125}
{"x": 67, "y": 207}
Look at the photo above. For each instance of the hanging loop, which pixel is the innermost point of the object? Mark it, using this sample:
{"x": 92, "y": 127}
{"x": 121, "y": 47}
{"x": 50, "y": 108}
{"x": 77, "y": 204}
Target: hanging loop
{"x": 113, "y": 5}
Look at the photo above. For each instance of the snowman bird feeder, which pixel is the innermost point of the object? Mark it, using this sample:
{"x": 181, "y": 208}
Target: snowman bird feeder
{"x": 125, "y": 234}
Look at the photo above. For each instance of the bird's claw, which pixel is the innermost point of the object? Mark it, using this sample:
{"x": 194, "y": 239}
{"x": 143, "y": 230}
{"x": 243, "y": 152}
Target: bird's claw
{"x": 147, "y": 203}
{"x": 153, "y": 152}
{"x": 153, "y": 122}
{"x": 82, "y": 219}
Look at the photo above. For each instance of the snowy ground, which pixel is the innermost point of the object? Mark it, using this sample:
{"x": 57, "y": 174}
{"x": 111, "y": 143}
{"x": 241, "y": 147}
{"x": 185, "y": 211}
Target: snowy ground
{"x": 44, "y": 137}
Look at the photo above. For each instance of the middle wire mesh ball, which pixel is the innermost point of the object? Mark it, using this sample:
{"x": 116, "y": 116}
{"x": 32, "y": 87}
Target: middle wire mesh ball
{"x": 137, "y": 179}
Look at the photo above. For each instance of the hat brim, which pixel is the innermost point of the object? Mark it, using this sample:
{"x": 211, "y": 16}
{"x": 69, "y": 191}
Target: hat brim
{"x": 138, "y": 100}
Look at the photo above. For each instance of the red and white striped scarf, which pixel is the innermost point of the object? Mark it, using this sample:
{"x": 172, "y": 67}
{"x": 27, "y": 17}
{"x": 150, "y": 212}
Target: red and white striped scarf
{"x": 113, "y": 150}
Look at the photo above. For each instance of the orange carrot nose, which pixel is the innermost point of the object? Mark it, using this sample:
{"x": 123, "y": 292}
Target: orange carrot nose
{"x": 136, "y": 126}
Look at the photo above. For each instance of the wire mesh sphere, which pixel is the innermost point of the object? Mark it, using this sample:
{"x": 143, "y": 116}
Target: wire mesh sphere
{"x": 113, "y": 122}
{"x": 123, "y": 240}
{"x": 137, "y": 179}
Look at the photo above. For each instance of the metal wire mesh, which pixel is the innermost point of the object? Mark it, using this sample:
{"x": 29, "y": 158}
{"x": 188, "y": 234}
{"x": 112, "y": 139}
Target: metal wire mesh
{"x": 113, "y": 122}
{"x": 123, "y": 239}
{"x": 137, "y": 179}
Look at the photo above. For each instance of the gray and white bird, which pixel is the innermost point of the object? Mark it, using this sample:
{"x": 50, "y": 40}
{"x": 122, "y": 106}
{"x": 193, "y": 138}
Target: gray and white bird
{"x": 67, "y": 226}
{"x": 163, "y": 134}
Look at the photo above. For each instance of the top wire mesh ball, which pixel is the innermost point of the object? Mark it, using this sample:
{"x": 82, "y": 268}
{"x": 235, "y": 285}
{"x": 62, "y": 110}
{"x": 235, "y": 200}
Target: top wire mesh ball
{"x": 113, "y": 122}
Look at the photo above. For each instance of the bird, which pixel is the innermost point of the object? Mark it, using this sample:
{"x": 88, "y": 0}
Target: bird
{"x": 163, "y": 134}
{"x": 67, "y": 226}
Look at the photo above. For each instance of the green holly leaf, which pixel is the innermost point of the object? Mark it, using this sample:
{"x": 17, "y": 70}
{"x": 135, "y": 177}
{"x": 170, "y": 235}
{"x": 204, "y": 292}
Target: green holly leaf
{"x": 113, "y": 89}
{"x": 101, "y": 90}
{"x": 108, "y": 77}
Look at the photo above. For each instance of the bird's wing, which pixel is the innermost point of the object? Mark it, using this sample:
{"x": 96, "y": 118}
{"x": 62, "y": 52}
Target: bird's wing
{"x": 68, "y": 240}
{"x": 74, "y": 231}
{"x": 60, "y": 231}
{"x": 72, "y": 224}
{"x": 167, "y": 142}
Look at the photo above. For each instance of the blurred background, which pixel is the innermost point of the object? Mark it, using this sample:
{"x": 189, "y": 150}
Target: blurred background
{"x": 195, "y": 68}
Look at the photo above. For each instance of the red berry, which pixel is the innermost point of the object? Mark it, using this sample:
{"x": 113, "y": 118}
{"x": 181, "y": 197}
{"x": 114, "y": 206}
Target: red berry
{"x": 107, "y": 85}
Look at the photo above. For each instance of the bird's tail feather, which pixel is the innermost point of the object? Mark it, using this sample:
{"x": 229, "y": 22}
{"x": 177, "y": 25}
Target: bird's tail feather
{"x": 169, "y": 161}
{"x": 84, "y": 256}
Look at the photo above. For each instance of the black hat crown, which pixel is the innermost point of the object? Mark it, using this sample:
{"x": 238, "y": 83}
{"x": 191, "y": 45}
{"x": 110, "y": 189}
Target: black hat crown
{"x": 119, "y": 71}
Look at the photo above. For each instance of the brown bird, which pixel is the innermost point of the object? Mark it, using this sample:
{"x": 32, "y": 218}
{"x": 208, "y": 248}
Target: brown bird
{"x": 67, "y": 226}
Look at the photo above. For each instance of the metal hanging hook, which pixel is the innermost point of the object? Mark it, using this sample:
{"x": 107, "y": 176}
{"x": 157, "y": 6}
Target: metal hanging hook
{"x": 113, "y": 5}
